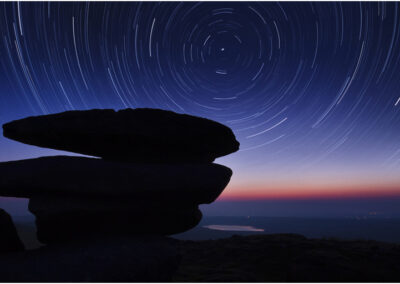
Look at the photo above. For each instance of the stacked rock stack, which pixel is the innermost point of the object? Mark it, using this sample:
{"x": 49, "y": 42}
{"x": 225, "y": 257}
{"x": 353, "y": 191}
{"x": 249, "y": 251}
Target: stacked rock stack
{"x": 153, "y": 169}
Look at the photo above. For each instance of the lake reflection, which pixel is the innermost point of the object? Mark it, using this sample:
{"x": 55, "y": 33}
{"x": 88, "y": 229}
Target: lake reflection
{"x": 233, "y": 228}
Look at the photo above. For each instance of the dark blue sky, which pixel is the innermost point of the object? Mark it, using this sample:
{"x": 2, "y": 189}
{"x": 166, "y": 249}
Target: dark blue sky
{"x": 311, "y": 90}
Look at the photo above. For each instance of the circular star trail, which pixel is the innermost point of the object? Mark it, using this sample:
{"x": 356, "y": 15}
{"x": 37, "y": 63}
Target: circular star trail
{"x": 297, "y": 82}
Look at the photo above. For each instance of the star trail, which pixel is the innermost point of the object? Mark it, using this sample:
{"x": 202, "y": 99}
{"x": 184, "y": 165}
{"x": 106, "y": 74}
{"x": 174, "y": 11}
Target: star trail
{"x": 311, "y": 89}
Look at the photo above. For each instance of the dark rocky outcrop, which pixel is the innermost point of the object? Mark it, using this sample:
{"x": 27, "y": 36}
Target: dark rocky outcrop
{"x": 9, "y": 239}
{"x": 100, "y": 259}
{"x": 69, "y": 226}
{"x": 57, "y": 221}
{"x": 57, "y": 204}
{"x": 78, "y": 176}
{"x": 60, "y": 219}
{"x": 140, "y": 135}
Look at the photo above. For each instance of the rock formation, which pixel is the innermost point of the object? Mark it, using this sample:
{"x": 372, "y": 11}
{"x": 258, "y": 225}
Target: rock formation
{"x": 154, "y": 170}
{"x": 9, "y": 240}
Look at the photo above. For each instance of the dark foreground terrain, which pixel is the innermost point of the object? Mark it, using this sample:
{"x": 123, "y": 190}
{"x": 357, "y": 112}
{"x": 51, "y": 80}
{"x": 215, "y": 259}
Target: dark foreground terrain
{"x": 217, "y": 256}
{"x": 288, "y": 257}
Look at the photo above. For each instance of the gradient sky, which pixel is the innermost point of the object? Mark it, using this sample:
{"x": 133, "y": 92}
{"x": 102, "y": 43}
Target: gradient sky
{"x": 311, "y": 90}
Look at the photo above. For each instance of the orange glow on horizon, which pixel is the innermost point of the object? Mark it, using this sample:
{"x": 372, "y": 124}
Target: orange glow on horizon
{"x": 310, "y": 192}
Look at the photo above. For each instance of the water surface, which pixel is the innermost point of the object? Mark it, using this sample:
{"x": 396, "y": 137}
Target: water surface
{"x": 233, "y": 228}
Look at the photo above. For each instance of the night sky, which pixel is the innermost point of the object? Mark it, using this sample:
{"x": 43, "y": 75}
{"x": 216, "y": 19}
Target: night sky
{"x": 311, "y": 90}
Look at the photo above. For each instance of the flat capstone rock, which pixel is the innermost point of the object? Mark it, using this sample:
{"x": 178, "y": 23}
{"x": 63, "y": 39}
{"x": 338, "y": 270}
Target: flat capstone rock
{"x": 140, "y": 135}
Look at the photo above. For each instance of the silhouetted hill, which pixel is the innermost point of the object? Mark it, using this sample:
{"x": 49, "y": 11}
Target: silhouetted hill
{"x": 273, "y": 257}
{"x": 288, "y": 258}
{"x": 378, "y": 229}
